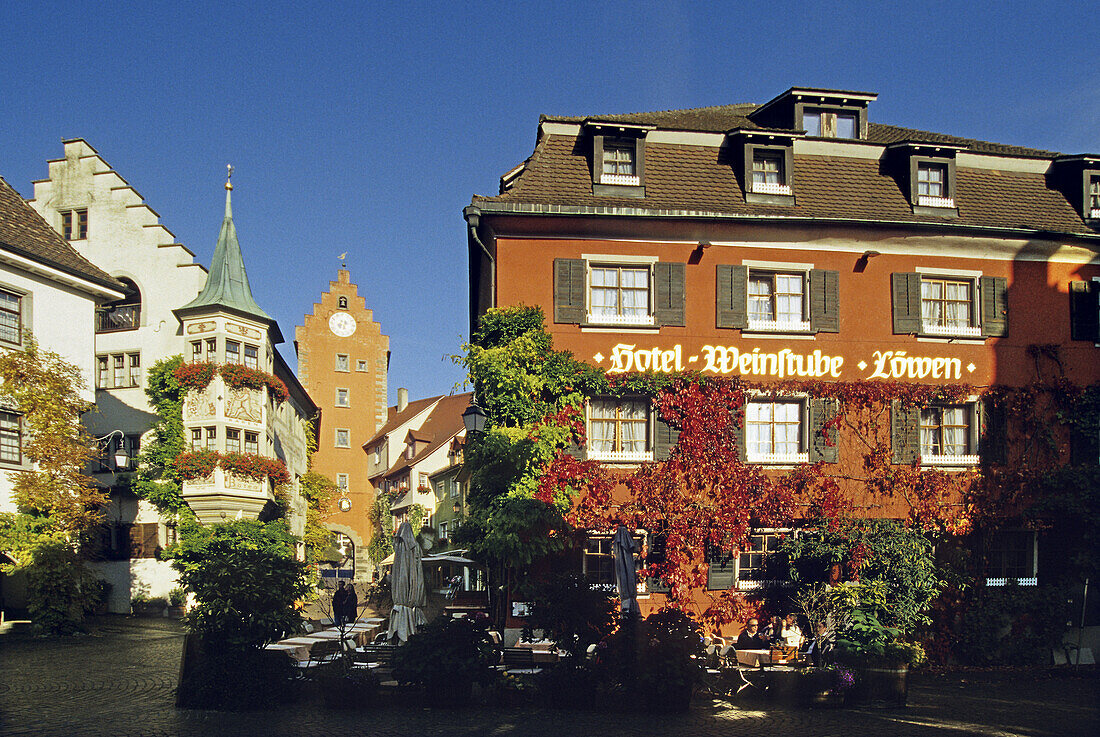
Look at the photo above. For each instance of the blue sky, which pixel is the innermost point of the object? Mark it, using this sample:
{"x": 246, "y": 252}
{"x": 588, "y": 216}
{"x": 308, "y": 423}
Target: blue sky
{"x": 366, "y": 126}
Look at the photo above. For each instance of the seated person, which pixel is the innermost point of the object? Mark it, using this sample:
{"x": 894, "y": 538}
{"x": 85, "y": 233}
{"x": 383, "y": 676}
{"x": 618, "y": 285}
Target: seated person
{"x": 817, "y": 650}
{"x": 750, "y": 638}
{"x": 791, "y": 633}
{"x": 773, "y": 633}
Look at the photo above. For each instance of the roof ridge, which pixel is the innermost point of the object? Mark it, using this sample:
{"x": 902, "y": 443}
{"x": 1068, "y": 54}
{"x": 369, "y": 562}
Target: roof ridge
{"x": 655, "y": 112}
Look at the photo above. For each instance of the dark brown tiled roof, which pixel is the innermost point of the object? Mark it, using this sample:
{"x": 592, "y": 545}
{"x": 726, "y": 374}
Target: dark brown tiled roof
{"x": 395, "y": 418}
{"x": 441, "y": 424}
{"x": 24, "y": 231}
{"x": 700, "y": 178}
{"x": 722, "y": 118}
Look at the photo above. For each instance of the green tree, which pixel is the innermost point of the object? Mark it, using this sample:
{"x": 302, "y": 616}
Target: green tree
{"x": 158, "y": 479}
{"x": 318, "y": 491}
{"x": 245, "y": 579}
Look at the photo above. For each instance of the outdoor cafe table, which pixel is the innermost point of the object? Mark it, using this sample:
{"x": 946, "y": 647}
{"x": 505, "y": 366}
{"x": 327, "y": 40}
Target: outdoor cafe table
{"x": 758, "y": 658}
{"x": 544, "y": 651}
{"x": 298, "y": 652}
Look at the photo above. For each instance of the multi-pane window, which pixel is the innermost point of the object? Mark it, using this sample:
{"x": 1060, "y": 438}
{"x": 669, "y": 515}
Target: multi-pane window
{"x": 945, "y": 431}
{"x": 931, "y": 179}
{"x": 232, "y": 440}
{"x": 211, "y": 438}
{"x": 1094, "y": 197}
{"x": 11, "y": 438}
{"x": 599, "y": 560}
{"x": 342, "y": 399}
{"x": 618, "y": 429}
{"x": 196, "y": 438}
{"x": 11, "y": 317}
{"x": 777, "y": 300}
{"x": 118, "y": 372}
{"x": 618, "y": 158}
{"x": 232, "y": 351}
{"x": 343, "y": 437}
{"x": 768, "y": 175}
{"x": 251, "y": 356}
{"x": 945, "y": 304}
{"x": 342, "y": 481}
{"x": 773, "y": 431}
{"x": 196, "y": 351}
{"x": 830, "y": 124}
{"x": 74, "y": 224}
{"x": 456, "y": 488}
{"x": 134, "y": 359}
{"x": 1011, "y": 555}
{"x": 212, "y": 350}
{"x": 752, "y": 561}
{"x": 252, "y": 443}
{"x": 342, "y": 362}
{"x": 619, "y": 294}
{"x": 361, "y": 366}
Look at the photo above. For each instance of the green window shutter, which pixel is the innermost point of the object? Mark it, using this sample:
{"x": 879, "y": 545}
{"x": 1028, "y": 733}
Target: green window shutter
{"x": 905, "y": 289}
{"x": 732, "y": 296}
{"x": 994, "y": 306}
{"x": 825, "y": 301}
{"x": 569, "y": 287}
{"x": 992, "y": 440}
{"x": 820, "y": 412}
{"x": 597, "y": 159}
{"x": 739, "y": 434}
{"x": 664, "y": 439}
{"x": 721, "y": 569}
{"x": 904, "y": 433}
{"x": 657, "y": 546}
{"x": 669, "y": 297}
{"x": 1084, "y": 310}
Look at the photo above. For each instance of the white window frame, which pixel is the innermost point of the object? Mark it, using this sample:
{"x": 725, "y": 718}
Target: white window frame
{"x": 973, "y": 279}
{"x": 827, "y": 122}
{"x": 956, "y": 460}
{"x": 17, "y": 419}
{"x": 639, "y": 536}
{"x": 622, "y": 157}
{"x": 116, "y": 376}
{"x": 342, "y": 482}
{"x": 343, "y": 363}
{"x": 742, "y": 584}
{"x": 781, "y": 185}
{"x": 619, "y": 264}
{"x": 346, "y": 437}
{"x": 1094, "y": 197}
{"x": 617, "y": 455}
{"x": 361, "y": 365}
{"x": 346, "y": 397}
{"x": 802, "y": 455}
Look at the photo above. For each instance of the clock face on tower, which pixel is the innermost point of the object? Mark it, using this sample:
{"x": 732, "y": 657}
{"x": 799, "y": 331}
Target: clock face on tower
{"x": 342, "y": 324}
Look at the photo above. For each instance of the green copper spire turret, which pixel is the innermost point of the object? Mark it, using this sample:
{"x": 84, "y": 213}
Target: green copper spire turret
{"x": 227, "y": 283}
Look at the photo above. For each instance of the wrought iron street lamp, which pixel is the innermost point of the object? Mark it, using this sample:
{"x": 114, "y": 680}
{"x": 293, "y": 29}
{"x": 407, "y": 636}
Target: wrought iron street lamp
{"x": 475, "y": 419}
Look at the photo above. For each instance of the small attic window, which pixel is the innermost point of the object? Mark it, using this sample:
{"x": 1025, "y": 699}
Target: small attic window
{"x": 1094, "y": 197}
{"x": 618, "y": 160}
{"x": 620, "y": 165}
{"x": 831, "y": 123}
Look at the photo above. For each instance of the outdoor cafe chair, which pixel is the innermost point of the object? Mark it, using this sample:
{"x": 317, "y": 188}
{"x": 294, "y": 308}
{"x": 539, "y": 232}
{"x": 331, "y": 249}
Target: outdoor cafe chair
{"x": 518, "y": 660}
{"x": 320, "y": 653}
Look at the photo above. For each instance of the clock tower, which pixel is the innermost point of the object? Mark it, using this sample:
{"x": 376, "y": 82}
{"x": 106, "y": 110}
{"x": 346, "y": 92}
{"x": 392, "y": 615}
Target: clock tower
{"x": 343, "y": 362}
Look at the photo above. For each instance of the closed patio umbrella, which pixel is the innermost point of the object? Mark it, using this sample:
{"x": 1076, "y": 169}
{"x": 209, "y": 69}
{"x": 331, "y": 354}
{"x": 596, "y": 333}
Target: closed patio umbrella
{"x": 626, "y": 578}
{"x": 407, "y": 585}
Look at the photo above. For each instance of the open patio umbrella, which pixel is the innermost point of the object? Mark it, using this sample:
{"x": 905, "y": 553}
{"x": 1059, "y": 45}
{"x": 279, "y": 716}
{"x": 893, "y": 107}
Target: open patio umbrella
{"x": 407, "y": 585}
{"x": 626, "y": 579}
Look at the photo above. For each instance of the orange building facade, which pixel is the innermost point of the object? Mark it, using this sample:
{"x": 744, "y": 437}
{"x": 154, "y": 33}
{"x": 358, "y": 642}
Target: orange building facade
{"x": 797, "y": 240}
{"x": 343, "y": 361}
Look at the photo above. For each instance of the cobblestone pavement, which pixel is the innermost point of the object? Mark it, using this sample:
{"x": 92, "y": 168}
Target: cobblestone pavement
{"x": 119, "y": 680}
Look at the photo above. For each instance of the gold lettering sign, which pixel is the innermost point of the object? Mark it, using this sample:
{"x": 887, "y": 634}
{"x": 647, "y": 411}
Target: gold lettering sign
{"x": 784, "y": 363}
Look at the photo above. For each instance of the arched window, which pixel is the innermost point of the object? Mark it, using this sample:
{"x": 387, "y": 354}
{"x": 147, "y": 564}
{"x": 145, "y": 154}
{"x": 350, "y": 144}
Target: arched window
{"x": 339, "y": 558}
{"x": 122, "y": 314}
{"x": 343, "y": 302}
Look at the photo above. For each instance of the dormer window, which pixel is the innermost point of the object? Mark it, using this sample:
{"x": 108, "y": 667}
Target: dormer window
{"x": 831, "y": 123}
{"x": 932, "y": 186}
{"x": 620, "y": 164}
{"x": 769, "y": 175}
{"x": 1094, "y": 197}
{"x": 618, "y": 159}
{"x": 926, "y": 172}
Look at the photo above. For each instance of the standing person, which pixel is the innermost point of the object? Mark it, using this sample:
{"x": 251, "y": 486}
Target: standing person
{"x": 351, "y": 605}
{"x": 339, "y": 602}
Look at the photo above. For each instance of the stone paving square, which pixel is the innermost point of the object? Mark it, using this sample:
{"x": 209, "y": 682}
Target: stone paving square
{"x": 118, "y": 680}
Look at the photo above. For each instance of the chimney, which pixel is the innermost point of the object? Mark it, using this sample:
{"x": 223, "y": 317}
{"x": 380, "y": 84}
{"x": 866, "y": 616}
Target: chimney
{"x": 402, "y": 399}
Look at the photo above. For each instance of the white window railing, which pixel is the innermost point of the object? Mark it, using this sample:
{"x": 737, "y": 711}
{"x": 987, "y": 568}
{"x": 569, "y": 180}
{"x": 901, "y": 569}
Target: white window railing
{"x": 928, "y": 201}
{"x": 1032, "y": 581}
{"x": 771, "y": 188}
{"x": 779, "y": 326}
{"x": 631, "y": 180}
{"x": 781, "y": 458}
{"x": 964, "y": 331}
{"x": 597, "y": 318}
{"x": 951, "y": 460}
{"x": 621, "y": 456}
{"x": 1094, "y": 213}
{"x": 751, "y": 585}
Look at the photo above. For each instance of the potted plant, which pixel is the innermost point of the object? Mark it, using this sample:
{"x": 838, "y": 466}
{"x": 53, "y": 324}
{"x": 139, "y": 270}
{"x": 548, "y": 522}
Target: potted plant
{"x": 176, "y": 599}
{"x": 142, "y": 605}
{"x": 445, "y": 658}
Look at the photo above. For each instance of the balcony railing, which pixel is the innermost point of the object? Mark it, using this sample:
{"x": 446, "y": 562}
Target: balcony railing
{"x": 778, "y": 458}
{"x": 122, "y": 317}
{"x": 621, "y": 456}
{"x": 950, "y": 460}
{"x": 927, "y": 201}
{"x": 627, "y": 179}
{"x": 599, "y": 318}
{"x": 779, "y": 326}
{"x": 770, "y": 188}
